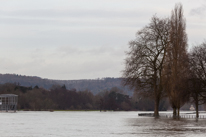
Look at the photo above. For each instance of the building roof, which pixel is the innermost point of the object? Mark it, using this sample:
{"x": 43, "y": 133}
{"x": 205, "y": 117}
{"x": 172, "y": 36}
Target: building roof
{"x": 8, "y": 95}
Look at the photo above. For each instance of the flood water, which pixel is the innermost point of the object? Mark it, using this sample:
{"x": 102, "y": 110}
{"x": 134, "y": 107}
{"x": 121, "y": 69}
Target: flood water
{"x": 95, "y": 124}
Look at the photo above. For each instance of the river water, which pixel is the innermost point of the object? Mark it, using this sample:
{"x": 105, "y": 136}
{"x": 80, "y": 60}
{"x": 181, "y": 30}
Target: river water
{"x": 95, "y": 124}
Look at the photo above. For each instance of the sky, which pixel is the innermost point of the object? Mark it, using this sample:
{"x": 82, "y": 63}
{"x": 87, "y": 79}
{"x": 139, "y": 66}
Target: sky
{"x": 81, "y": 39}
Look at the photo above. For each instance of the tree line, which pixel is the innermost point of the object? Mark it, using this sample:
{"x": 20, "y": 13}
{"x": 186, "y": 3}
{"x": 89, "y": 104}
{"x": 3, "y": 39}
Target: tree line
{"x": 159, "y": 65}
{"x": 60, "y": 98}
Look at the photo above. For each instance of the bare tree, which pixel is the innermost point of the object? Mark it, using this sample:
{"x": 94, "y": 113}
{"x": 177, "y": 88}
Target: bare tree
{"x": 197, "y": 81}
{"x": 176, "y": 69}
{"x": 145, "y": 60}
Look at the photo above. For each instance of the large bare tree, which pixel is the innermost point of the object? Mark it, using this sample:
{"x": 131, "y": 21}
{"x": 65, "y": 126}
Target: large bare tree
{"x": 197, "y": 80}
{"x": 176, "y": 67}
{"x": 145, "y": 60}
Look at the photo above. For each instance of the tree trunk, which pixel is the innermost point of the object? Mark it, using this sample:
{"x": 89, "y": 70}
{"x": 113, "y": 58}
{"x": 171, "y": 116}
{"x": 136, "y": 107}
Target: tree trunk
{"x": 174, "y": 112}
{"x": 197, "y": 109}
{"x": 156, "y": 110}
{"x": 178, "y": 112}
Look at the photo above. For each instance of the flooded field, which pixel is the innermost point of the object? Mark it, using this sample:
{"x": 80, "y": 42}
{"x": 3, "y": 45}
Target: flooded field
{"x": 94, "y": 123}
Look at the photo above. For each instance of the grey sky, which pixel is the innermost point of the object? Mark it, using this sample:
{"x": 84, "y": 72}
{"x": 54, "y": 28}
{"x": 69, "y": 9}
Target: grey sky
{"x": 81, "y": 39}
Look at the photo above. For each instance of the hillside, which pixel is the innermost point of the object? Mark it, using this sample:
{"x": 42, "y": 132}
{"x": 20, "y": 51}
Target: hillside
{"x": 93, "y": 85}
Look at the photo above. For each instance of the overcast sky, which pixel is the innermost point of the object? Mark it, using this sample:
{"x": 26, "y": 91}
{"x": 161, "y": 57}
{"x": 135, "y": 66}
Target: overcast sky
{"x": 81, "y": 39}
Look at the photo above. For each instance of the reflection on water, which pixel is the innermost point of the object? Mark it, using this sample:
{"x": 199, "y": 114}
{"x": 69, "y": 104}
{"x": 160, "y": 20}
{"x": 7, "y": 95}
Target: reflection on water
{"x": 101, "y": 124}
{"x": 169, "y": 127}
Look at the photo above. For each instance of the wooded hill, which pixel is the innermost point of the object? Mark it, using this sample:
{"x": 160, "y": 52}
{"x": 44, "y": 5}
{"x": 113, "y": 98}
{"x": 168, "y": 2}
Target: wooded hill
{"x": 93, "y": 85}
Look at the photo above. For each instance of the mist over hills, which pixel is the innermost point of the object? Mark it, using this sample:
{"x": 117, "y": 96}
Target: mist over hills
{"x": 93, "y": 85}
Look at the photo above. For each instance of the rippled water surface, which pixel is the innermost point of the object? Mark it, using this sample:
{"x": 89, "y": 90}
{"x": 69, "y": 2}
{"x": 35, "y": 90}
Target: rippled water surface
{"x": 101, "y": 124}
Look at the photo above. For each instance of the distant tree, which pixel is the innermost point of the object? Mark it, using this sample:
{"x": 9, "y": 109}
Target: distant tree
{"x": 114, "y": 99}
{"x": 145, "y": 60}
{"x": 64, "y": 87}
{"x": 36, "y": 87}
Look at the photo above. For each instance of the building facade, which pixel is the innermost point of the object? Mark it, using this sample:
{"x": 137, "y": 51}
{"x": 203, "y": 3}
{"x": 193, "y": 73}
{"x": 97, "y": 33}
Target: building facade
{"x": 8, "y": 102}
